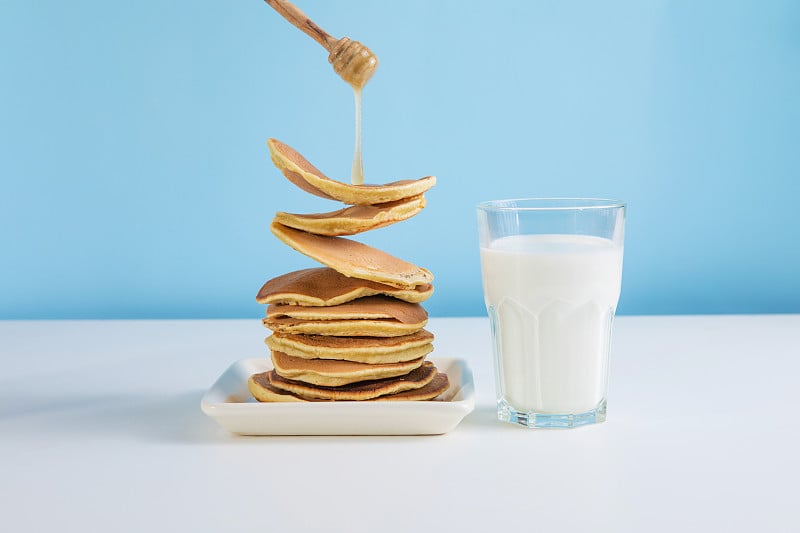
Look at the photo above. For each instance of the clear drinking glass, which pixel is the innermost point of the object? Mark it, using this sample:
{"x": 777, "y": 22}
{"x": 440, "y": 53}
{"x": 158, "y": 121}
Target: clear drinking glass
{"x": 552, "y": 273}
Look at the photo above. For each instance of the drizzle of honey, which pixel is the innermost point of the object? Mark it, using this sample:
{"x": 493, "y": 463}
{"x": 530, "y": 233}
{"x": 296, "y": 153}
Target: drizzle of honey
{"x": 357, "y": 174}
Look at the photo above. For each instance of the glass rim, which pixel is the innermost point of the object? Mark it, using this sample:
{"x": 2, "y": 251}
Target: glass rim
{"x": 550, "y": 204}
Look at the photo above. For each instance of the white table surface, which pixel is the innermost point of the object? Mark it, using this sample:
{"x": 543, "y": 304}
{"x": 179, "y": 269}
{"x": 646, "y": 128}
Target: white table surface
{"x": 101, "y": 430}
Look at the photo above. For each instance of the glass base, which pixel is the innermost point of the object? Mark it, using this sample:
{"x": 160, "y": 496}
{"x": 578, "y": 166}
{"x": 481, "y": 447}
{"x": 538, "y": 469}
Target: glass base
{"x": 532, "y": 419}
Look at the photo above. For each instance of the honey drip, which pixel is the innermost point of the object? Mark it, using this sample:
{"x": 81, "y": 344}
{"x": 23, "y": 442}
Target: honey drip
{"x": 357, "y": 175}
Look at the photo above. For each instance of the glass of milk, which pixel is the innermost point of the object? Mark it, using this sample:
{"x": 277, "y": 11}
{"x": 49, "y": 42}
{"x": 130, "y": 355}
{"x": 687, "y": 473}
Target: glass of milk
{"x": 552, "y": 272}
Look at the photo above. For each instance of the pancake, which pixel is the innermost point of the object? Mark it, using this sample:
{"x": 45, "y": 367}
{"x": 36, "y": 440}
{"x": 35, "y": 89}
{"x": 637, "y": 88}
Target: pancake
{"x": 263, "y": 391}
{"x": 309, "y": 178}
{"x": 368, "y": 307}
{"x": 381, "y": 327}
{"x": 372, "y": 316}
{"x": 437, "y": 386}
{"x": 355, "y": 219}
{"x": 334, "y": 373}
{"x": 373, "y": 350}
{"x": 354, "y": 259}
{"x": 364, "y": 390}
{"x": 326, "y": 287}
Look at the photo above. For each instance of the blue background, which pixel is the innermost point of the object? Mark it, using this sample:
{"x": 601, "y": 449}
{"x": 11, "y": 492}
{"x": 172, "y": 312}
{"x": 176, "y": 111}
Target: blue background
{"x": 135, "y": 181}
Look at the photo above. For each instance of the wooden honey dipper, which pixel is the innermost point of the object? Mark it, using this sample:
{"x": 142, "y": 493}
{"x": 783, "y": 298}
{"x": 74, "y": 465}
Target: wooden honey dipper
{"x": 351, "y": 60}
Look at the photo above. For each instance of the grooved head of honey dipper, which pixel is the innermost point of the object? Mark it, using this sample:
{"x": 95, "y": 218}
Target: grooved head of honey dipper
{"x": 353, "y": 61}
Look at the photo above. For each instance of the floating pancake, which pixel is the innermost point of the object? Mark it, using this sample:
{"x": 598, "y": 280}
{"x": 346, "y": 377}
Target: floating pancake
{"x": 354, "y": 219}
{"x": 354, "y": 259}
{"x": 326, "y": 287}
{"x": 364, "y": 390}
{"x": 263, "y": 391}
{"x": 334, "y": 373}
{"x": 373, "y": 350}
{"x": 309, "y": 178}
{"x": 372, "y": 316}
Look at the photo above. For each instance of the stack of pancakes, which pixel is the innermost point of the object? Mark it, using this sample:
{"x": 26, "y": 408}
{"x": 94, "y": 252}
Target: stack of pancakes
{"x": 353, "y": 329}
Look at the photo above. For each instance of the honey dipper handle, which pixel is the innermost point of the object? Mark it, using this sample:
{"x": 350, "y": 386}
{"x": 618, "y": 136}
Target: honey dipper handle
{"x": 292, "y": 13}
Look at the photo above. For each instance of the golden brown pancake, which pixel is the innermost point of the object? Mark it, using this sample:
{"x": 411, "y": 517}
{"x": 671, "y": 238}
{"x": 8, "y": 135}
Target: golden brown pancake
{"x": 354, "y": 219}
{"x": 437, "y": 386}
{"x": 334, "y": 373}
{"x": 368, "y": 307}
{"x": 263, "y": 391}
{"x": 354, "y": 259}
{"x": 372, "y": 316}
{"x": 309, "y": 178}
{"x": 326, "y": 287}
{"x": 374, "y": 350}
{"x": 364, "y": 390}
{"x": 378, "y": 327}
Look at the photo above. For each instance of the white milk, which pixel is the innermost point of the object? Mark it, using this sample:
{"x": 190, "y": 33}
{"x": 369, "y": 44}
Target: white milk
{"x": 552, "y": 299}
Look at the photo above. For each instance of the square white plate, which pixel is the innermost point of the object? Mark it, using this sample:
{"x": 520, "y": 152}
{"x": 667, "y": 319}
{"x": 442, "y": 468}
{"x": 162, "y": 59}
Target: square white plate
{"x": 229, "y": 402}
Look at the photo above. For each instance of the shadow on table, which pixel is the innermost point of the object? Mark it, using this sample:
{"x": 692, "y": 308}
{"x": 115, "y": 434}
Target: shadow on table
{"x": 155, "y": 418}
{"x": 179, "y": 419}
{"x": 176, "y": 418}
{"x": 484, "y": 418}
